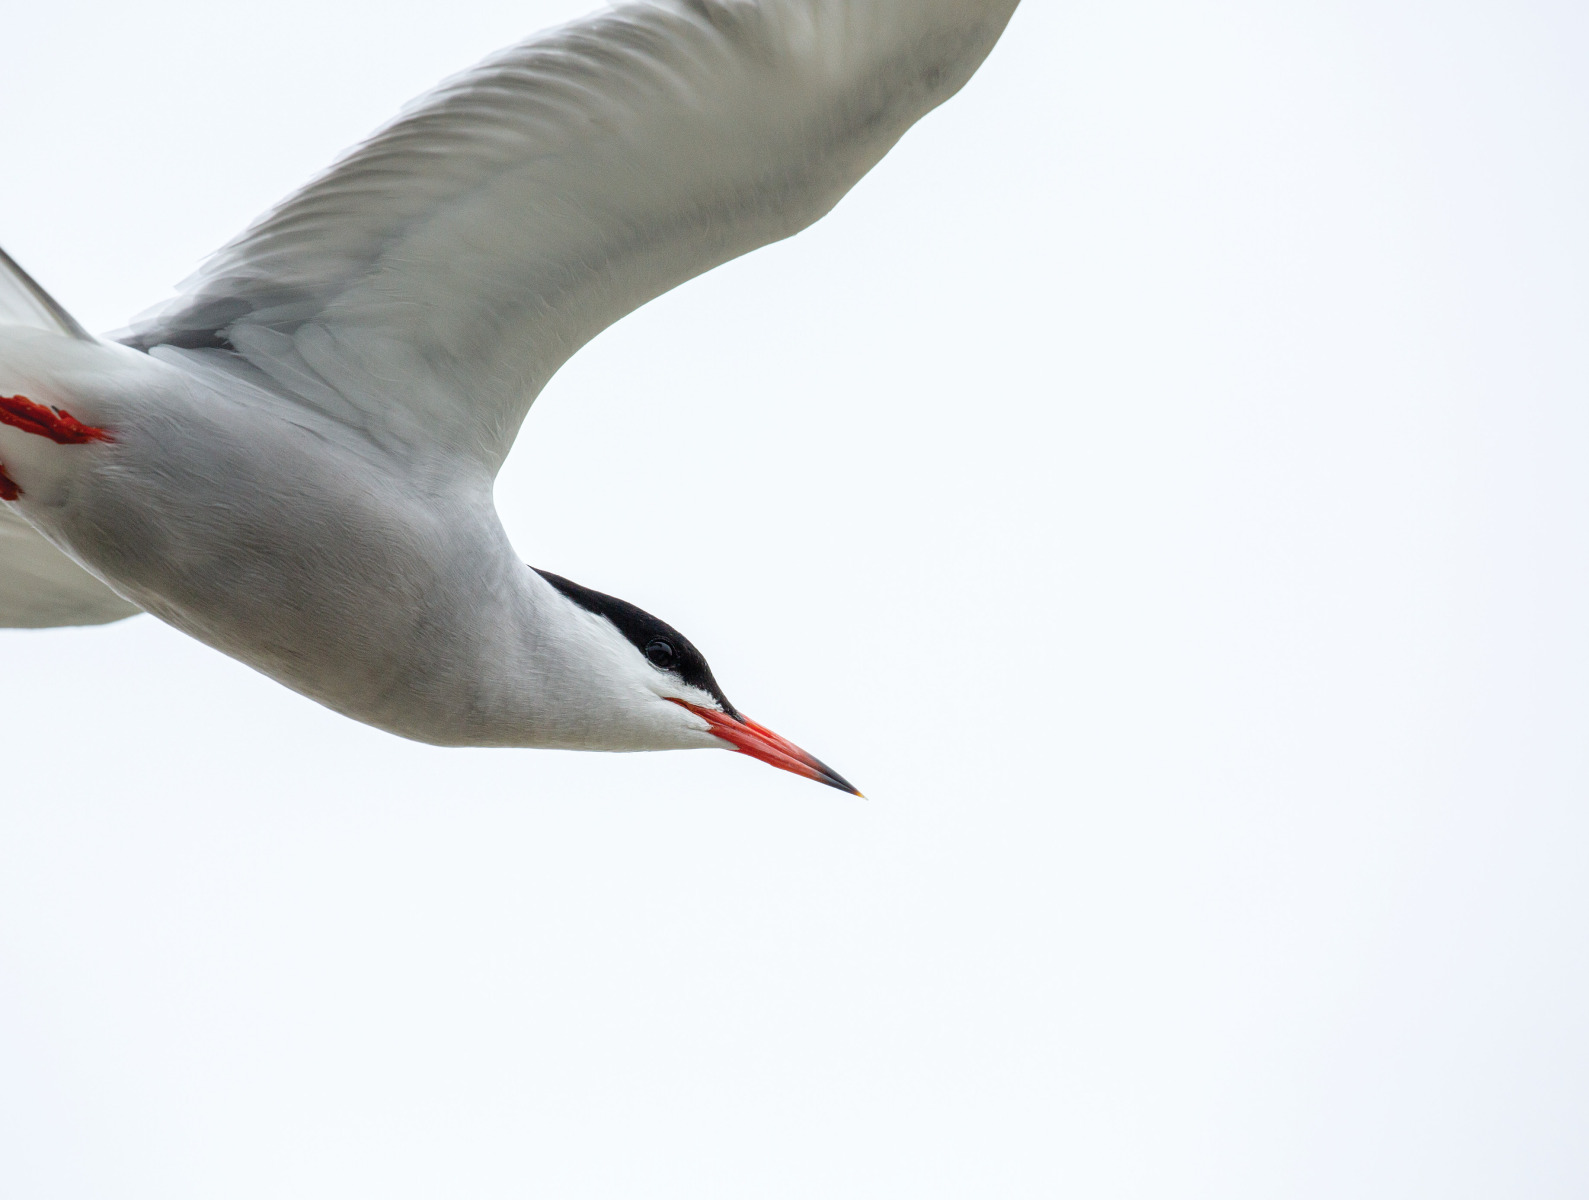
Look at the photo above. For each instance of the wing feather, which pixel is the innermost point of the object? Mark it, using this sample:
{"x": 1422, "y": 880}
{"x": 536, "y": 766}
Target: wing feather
{"x": 25, "y": 303}
{"x": 427, "y": 286}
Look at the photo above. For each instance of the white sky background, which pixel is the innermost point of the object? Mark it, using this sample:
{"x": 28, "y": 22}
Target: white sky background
{"x": 1161, "y": 486}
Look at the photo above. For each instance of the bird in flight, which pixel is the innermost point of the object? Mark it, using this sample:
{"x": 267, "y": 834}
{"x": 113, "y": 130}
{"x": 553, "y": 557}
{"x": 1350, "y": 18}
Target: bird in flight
{"x": 293, "y": 460}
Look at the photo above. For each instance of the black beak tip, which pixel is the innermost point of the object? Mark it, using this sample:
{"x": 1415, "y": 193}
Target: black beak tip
{"x": 834, "y": 780}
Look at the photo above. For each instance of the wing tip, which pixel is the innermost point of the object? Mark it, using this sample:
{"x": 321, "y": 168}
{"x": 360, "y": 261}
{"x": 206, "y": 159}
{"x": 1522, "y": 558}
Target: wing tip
{"x": 26, "y": 303}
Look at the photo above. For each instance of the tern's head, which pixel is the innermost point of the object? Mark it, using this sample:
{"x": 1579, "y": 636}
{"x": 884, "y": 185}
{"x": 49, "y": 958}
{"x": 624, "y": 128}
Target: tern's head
{"x": 662, "y": 689}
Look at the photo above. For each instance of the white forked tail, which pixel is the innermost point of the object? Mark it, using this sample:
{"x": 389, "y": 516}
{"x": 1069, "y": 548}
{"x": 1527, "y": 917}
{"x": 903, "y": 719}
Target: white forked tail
{"x": 40, "y": 586}
{"x": 23, "y": 302}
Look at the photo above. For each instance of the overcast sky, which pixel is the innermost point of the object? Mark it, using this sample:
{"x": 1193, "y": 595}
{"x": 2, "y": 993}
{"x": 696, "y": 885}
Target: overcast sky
{"x": 1160, "y": 485}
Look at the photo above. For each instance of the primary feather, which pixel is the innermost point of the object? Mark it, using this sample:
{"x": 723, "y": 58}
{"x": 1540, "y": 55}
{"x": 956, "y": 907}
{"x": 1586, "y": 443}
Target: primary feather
{"x": 428, "y": 285}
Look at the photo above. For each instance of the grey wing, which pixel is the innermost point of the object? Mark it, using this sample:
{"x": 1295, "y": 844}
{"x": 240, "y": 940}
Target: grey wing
{"x": 23, "y": 302}
{"x": 40, "y": 586}
{"x": 429, "y": 284}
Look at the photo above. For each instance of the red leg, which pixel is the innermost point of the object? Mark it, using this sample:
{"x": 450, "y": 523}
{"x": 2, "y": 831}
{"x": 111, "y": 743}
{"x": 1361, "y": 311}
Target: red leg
{"x": 8, "y": 486}
{"x": 60, "y": 427}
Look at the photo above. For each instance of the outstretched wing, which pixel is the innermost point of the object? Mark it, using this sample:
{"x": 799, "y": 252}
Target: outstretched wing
{"x": 429, "y": 284}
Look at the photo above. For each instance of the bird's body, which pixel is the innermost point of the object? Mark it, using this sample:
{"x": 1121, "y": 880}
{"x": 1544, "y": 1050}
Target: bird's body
{"x": 294, "y": 461}
{"x": 389, "y": 597}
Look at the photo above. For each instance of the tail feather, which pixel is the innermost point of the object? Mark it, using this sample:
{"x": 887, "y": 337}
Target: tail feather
{"x": 24, "y": 302}
{"x": 41, "y": 587}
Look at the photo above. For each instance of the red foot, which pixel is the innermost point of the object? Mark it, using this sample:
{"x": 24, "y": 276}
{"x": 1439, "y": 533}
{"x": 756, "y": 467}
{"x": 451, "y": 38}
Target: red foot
{"x": 60, "y": 427}
{"x": 8, "y": 486}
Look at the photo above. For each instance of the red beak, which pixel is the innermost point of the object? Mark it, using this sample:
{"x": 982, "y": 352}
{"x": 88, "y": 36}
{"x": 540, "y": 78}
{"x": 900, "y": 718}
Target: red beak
{"x": 758, "y": 741}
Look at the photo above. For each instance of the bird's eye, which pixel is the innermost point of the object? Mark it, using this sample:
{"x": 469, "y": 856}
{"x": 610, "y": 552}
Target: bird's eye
{"x": 661, "y": 653}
